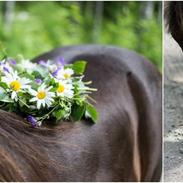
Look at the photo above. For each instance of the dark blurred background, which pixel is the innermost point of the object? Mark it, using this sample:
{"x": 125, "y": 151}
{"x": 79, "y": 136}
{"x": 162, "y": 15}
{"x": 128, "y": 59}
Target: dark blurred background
{"x": 31, "y": 28}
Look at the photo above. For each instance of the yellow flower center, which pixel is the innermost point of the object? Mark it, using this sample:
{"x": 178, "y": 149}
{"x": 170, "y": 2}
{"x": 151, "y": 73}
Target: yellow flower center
{"x": 60, "y": 89}
{"x": 41, "y": 95}
{"x": 15, "y": 85}
{"x": 66, "y": 76}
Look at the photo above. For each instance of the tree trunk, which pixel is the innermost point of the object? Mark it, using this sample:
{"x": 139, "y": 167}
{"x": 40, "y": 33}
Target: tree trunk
{"x": 160, "y": 12}
{"x": 146, "y": 10}
{"x": 98, "y": 16}
{"x": 8, "y": 12}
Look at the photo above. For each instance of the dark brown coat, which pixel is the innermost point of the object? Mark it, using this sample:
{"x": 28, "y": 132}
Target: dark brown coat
{"x": 124, "y": 145}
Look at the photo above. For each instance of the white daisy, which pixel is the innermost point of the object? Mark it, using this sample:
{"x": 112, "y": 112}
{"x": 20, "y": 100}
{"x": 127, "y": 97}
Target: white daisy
{"x": 42, "y": 96}
{"x": 64, "y": 73}
{"x": 27, "y": 65}
{"x": 52, "y": 67}
{"x": 65, "y": 89}
{"x": 15, "y": 83}
{"x": 49, "y": 65}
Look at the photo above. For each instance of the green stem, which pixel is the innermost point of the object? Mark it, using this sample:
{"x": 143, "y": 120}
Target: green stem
{"x": 2, "y": 105}
{"x": 88, "y": 89}
{"x": 47, "y": 115}
{"x": 92, "y": 99}
{"x": 24, "y": 103}
{"x": 87, "y": 83}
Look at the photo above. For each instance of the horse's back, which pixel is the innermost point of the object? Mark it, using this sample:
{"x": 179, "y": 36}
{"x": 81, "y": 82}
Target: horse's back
{"x": 128, "y": 96}
{"x": 124, "y": 144}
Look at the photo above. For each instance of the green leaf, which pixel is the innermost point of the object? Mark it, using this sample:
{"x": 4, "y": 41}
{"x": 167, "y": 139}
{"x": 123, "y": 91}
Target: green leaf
{"x": 29, "y": 76}
{"x": 77, "y": 112}
{"x": 2, "y": 96}
{"x": 3, "y": 52}
{"x": 58, "y": 114}
{"x": 36, "y": 74}
{"x": 22, "y": 102}
{"x": 79, "y": 67}
{"x": 3, "y": 85}
{"x": 7, "y": 99}
{"x": 52, "y": 82}
{"x": 91, "y": 112}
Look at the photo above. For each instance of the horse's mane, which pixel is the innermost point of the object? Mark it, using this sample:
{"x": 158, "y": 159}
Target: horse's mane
{"x": 173, "y": 15}
{"x": 16, "y": 134}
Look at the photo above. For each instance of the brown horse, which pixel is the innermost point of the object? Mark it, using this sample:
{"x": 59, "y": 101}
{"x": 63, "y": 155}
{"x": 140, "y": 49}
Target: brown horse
{"x": 174, "y": 20}
{"x": 125, "y": 143}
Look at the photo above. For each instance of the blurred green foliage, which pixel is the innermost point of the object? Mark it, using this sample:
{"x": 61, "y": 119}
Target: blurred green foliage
{"x": 37, "y": 27}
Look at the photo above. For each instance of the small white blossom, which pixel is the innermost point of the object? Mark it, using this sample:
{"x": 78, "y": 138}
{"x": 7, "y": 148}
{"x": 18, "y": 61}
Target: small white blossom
{"x": 27, "y": 66}
{"x": 65, "y": 89}
{"x": 15, "y": 83}
{"x": 42, "y": 96}
{"x": 64, "y": 74}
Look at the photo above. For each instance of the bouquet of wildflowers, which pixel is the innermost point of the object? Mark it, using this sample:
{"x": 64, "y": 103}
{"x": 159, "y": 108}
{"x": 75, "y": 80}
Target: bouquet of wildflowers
{"x": 45, "y": 90}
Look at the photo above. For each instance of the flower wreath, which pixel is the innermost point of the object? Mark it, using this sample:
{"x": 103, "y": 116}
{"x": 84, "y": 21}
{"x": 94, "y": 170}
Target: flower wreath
{"x": 45, "y": 90}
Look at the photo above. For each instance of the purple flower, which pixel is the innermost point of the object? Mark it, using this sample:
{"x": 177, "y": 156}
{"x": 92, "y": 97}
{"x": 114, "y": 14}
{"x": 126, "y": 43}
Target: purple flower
{"x": 42, "y": 63}
{"x": 6, "y": 69}
{"x": 32, "y": 121}
{"x": 60, "y": 61}
{"x": 38, "y": 81}
{"x": 55, "y": 73}
{"x": 12, "y": 62}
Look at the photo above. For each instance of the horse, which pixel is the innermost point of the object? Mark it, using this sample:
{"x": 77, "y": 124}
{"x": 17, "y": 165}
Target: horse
{"x": 174, "y": 20}
{"x": 125, "y": 144}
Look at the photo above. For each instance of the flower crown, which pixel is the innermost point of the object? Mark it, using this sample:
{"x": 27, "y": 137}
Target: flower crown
{"x": 45, "y": 90}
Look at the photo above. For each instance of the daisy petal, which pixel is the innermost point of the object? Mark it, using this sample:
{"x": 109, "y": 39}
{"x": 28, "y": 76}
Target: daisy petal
{"x": 13, "y": 95}
{"x": 33, "y": 92}
{"x": 38, "y": 104}
{"x": 33, "y": 99}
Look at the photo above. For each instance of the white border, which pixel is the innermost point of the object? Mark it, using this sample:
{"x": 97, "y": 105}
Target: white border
{"x": 163, "y": 72}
